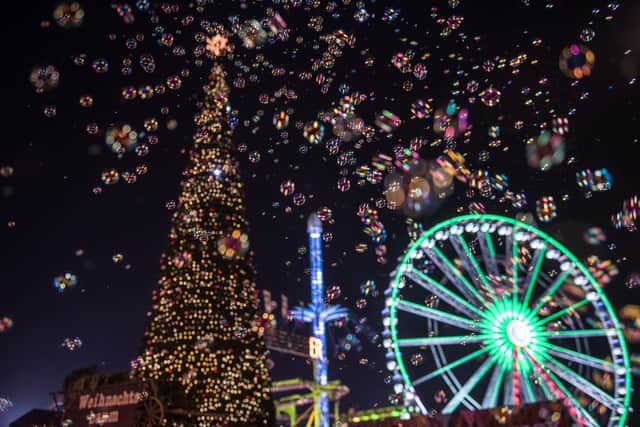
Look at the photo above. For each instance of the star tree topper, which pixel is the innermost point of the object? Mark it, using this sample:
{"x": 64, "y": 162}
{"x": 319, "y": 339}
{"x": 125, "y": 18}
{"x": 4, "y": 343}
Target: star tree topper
{"x": 217, "y": 44}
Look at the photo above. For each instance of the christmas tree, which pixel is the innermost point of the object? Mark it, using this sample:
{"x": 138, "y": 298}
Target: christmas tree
{"x": 202, "y": 344}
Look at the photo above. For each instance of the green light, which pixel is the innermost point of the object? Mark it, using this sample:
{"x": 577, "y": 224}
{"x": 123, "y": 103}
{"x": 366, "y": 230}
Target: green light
{"x": 492, "y": 251}
{"x": 446, "y": 292}
{"x": 534, "y": 276}
{"x": 562, "y": 312}
{"x": 479, "y": 272}
{"x": 551, "y": 290}
{"x": 510, "y": 324}
{"x": 452, "y": 365}
{"x": 515, "y": 262}
{"x": 463, "y": 279}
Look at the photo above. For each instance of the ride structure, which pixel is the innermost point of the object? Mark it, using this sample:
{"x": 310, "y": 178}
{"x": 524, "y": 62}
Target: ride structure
{"x": 510, "y": 317}
{"x": 318, "y": 315}
{"x": 305, "y": 393}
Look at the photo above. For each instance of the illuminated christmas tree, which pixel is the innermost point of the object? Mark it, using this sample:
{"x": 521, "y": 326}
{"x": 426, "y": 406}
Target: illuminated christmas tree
{"x": 202, "y": 344}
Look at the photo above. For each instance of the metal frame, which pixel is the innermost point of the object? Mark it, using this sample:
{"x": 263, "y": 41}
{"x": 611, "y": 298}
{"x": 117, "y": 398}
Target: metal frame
{"x": 469, "y": 290}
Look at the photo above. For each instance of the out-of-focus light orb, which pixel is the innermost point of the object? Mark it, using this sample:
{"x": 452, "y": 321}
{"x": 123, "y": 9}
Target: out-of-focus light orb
{"x": 314, "y": 132}
{"x": 68, "y": 15}
{"x": 576, "y": 61}
{"x": 44, "y": 77}
{"x": 65, "y": 281}
{"x": 121, "y": 138}
{"x": 546, "y": 151}
{"x": 233, "y": 245}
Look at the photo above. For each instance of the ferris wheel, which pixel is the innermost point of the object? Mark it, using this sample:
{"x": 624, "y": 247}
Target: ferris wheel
{"x": 486, "y": 311}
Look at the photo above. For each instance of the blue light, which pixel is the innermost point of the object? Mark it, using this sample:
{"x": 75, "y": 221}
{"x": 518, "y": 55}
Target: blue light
{"x": 317, "y": 313}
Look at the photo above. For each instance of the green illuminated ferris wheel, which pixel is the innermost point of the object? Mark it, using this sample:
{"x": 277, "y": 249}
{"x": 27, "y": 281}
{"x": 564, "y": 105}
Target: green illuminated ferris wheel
{"x": 485, "y": 311}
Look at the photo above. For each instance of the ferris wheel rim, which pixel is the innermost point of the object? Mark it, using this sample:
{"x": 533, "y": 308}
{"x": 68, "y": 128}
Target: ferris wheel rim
{"x": 577, "y": 265}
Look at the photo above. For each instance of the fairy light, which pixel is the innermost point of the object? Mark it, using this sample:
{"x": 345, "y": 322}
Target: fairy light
{"x": 203, "y": 342}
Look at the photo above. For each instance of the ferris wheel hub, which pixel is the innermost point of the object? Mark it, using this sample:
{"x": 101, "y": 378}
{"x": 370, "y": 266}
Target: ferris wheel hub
{"x": 519, "y": 333}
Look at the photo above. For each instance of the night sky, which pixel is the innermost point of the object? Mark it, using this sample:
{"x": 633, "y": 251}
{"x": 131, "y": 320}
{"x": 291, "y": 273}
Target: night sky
{"x": 52, "y": 222}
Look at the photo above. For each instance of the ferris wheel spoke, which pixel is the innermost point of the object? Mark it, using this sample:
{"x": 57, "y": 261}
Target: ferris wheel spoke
{"x": 513, "y": 262}
{"x": 452, "y": 273}
{"x": 574, "y": 356}
{"x": 545, "y": 390}
{"x": 575, "y": 333}
{"x": 562, "y": 312}
{"x": 450, "y": 366}
{"x": 532, "y": 276}
{"x": 443, "y": 293}
{"x": 507, "y": 388}
{"x": 552, "y": 289}
{"x": 471, "y": 383}
{"x": 488, "y": 252}
{"x": 431, "y": 341}
{"x": 585, "y": 417}
{"x": 490, "y": 399}
{"x": 573, "y": 378}
{"x": 529, "y": 393}
{"x": 564, "y": 394}
{"x": 469, "y": 262}
{"x": 441, "y": 316}
{"x": 525, "y": 382}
